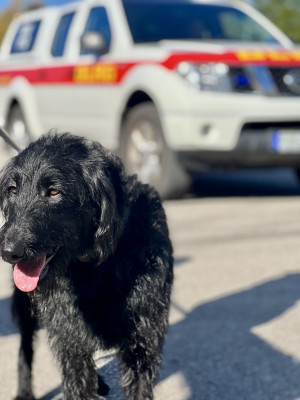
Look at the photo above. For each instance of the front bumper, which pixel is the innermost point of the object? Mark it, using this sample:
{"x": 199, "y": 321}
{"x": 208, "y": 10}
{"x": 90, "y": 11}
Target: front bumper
{"x": 259, "y": 145}
{"x": 215, "y": 122}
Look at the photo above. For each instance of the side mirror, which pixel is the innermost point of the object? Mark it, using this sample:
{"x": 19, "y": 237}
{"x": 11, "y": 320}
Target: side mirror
{"x": 93, "y": 42}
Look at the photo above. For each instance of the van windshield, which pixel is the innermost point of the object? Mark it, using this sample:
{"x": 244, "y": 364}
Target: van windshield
{"x": 155, "y": 21}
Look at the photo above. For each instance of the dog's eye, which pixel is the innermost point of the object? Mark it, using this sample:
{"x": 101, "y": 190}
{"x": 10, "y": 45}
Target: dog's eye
{"x": 52, "y": 192}
{"x": 13, "y": 189}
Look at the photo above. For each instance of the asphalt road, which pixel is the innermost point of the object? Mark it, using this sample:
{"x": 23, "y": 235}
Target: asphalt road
{"x": 235, "y": 318}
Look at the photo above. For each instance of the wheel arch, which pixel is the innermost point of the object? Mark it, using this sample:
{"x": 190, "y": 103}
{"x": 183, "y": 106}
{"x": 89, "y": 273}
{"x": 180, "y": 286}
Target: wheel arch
{"x": 21, "y": 93}
{"x": 12, "y": 103}
{"x": 137, "y": 97}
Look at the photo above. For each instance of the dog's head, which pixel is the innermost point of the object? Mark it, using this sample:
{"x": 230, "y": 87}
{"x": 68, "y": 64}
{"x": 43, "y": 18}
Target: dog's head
{"x": 62, "y": 195}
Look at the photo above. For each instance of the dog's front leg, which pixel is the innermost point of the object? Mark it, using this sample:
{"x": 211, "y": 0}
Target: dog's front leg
{"x": 73, "y": 345}
{"x": 78, "y": 370}
{"x": 139, "y": 365}
{"x": 79, "y": 377}
{"x": 27, "y": 324}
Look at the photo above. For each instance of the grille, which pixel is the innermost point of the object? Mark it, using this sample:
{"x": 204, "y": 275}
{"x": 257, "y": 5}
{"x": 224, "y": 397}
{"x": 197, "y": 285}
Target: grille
{"x": 278, "y": 75}
{"x": 243, "y": 81}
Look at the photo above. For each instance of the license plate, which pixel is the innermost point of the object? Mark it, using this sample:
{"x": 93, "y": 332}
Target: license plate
{"x": 285, "y": 141}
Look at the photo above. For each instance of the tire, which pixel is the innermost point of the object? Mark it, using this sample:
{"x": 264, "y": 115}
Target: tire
{"x": 17, "y": 127}
{"x": 145, "y": 152}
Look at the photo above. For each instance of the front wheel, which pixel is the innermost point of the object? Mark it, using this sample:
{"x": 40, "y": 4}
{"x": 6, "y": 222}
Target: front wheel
{"x": 145, "y": 152}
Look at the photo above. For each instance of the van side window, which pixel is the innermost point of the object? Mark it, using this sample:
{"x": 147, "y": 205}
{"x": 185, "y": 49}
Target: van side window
{"x": 98, "y": 22}
{"x": 58, "y": 45}
{"x": 25, "y": 37}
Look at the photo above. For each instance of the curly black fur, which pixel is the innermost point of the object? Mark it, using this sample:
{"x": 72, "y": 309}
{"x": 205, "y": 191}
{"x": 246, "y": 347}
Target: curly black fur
{"x": 109, "y": 280}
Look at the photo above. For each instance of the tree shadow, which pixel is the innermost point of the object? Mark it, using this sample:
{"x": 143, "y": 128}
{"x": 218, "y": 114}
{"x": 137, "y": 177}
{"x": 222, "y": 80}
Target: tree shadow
{"x": 7, "y": 326}
{"x": 221, "y": 359}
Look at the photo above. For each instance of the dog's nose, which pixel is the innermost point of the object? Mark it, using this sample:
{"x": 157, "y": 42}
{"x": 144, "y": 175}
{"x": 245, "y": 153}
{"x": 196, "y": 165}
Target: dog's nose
{"x": 12, "y": 253}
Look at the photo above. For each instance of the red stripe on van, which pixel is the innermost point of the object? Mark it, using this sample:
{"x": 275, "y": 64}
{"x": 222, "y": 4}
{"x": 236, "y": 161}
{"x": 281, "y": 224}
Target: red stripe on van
{"x": 113, "y": 73}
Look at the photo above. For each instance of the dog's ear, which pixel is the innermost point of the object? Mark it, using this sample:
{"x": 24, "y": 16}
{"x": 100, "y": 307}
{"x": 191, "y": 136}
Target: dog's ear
{"x": 2, "y": 187}
{"x": 105, "y": 177}
{"x": 5, "y": 175}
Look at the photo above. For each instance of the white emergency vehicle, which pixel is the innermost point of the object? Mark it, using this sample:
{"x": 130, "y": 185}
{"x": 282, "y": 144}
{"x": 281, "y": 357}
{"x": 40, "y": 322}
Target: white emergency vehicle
{"x": 173, "y": 86}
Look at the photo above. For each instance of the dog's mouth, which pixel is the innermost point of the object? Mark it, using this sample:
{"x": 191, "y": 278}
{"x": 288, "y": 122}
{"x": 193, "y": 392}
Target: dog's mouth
{"x": 27, "y": 273}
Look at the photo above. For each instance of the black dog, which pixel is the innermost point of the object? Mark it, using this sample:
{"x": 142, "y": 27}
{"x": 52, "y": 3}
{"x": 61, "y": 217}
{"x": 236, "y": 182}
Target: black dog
{"x": 92, "y": 261}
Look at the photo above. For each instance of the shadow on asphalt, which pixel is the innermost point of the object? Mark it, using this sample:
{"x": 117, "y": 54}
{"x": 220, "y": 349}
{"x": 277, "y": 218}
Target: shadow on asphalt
{"x": 221, "y": 359}
{"x": 7, "y": 326}
{"x": 218, "y": 355}
{"x": 254, "y": 182}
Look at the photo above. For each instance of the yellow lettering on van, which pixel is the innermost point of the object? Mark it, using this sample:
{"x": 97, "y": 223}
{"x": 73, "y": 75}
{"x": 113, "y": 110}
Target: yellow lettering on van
{"x": 81, "y": 74}
{"x": 295, "y": 55}
{"x": 5, "y": 79}
{"x": 269, "y": 55}
{"x": 278, "y": 56}
{"x": 105, "y": 73}
{"x": 249, "y": 56}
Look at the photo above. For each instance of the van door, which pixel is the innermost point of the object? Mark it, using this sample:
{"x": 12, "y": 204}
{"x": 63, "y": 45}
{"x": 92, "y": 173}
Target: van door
{"x": 81, "y": 96}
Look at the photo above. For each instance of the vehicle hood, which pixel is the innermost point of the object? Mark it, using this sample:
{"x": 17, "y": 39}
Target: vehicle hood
{"x": 222, "y": 51}
{"x": 214, "y": 46}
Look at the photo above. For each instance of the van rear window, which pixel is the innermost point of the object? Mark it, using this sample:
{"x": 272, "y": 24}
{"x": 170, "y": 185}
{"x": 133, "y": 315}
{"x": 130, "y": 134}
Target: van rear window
{"x": 59, "y": 42}
{"x": 25, "y": 37}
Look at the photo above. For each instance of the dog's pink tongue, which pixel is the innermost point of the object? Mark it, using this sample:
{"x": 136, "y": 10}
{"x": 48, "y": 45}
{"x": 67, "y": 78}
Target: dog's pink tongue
{"x": 27, "y": 273}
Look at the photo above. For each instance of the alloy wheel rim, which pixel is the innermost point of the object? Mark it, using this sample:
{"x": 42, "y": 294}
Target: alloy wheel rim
{"x": 145, "y": 152}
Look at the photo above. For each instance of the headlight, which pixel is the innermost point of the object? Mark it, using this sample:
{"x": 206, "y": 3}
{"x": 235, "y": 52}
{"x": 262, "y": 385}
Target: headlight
{"x": 210, "y": 77}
